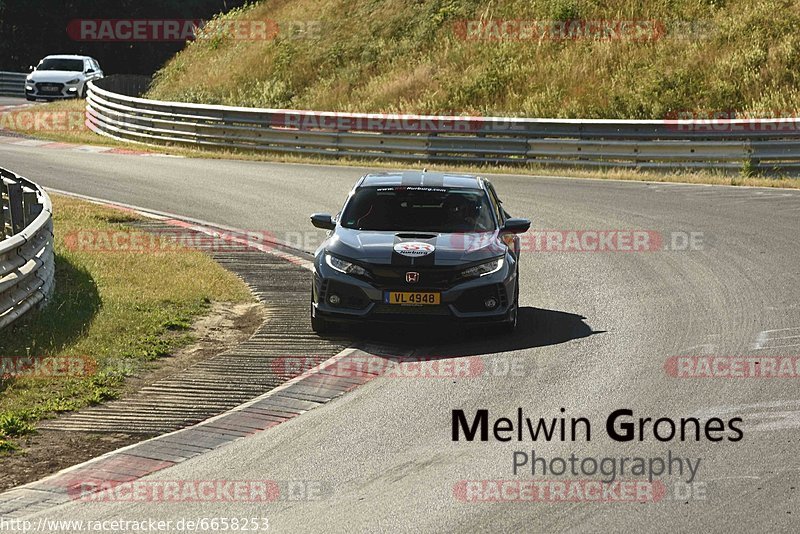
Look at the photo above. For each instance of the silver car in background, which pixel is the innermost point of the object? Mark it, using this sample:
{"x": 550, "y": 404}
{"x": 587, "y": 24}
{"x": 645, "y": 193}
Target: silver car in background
{"x": 62, "y": 76}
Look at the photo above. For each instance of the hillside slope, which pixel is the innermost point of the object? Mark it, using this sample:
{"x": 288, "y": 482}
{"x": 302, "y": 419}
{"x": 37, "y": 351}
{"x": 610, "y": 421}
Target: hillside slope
{"x": 412, "y": 56}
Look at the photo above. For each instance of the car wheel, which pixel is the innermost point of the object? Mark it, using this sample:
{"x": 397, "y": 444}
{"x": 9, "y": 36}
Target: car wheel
{"x": 83, "y": 91}
{"x": 509, "y": 326}
{"x": 30, "y": 99}
{"x": 318, "y": 324}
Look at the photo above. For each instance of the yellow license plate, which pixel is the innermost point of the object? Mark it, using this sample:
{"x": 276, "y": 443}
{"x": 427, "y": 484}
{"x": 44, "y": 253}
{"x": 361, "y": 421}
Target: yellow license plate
{"x": 412, "y": 298}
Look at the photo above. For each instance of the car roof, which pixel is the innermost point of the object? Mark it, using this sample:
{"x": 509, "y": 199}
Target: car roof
{"x": 66, "y": 56}
{"x": 421, "y": 179}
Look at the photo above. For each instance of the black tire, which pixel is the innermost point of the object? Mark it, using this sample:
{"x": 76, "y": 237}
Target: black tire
{"x": 320, "y": 325}
{"x": 83, "y": 92}
{"x": 511, "y": 325}
{"x": 30, "y": 99}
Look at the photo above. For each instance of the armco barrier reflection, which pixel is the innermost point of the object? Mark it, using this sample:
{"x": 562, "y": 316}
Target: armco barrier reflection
{"x": 26, "y": 247}
{"x": 12, "y": 83}
{"x": 114, "y": 111}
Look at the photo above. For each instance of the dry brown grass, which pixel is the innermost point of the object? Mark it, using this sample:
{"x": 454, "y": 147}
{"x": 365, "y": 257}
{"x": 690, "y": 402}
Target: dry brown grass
{"x": 395, "y": 55}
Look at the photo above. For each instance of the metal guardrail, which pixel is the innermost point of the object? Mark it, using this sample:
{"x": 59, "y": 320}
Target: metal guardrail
{"x": 733, "y": 144}
{"x": 12, "y": 83}
{"x": 27, "y": 266}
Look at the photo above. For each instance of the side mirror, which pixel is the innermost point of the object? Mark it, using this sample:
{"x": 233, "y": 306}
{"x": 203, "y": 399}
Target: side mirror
{"x": 323, "y": 220}
{"x": 516, "y": 226}
{"x": 89, "y": 71}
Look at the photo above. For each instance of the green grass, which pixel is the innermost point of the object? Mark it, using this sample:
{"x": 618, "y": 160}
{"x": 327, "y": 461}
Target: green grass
{"x": 119, "y": 311}
{"x": 401, "y": 56}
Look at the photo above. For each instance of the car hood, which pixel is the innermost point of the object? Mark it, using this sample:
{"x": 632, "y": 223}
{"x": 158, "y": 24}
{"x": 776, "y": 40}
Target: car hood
{"x": 54, "y": 76}
{"x": 415, "y": 248}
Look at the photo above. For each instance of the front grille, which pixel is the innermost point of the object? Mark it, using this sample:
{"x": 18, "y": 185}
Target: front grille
{"x": 41, "y": 87}
{"x": 388, "y": 277}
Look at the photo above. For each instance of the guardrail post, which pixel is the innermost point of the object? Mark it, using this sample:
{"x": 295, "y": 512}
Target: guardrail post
{"x": 15, "y": 207}
{"x": 30, "y": 204}
{"x": 430, "y": 155}
{"x": 5, "y": 217}
{"x": 22, "y": 290}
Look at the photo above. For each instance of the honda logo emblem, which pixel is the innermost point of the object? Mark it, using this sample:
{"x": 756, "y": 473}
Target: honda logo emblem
{"x": 412, "y": 277}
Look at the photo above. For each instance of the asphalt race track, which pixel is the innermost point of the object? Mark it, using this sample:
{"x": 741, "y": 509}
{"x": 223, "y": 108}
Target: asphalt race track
{"x": 11, "y": 101}
{"x": 596, "y": 331}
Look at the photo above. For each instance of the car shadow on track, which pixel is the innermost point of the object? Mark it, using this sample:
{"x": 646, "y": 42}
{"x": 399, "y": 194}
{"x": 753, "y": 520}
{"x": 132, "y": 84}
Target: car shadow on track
{"x": 536, "y": 327}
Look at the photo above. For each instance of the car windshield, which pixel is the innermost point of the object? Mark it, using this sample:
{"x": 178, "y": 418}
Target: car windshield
{"x": 422, "y": 209}
{"x": 73, "y": 65}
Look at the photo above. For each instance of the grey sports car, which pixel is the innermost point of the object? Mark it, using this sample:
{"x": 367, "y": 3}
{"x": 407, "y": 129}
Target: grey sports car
{"x": 418, "y": 247}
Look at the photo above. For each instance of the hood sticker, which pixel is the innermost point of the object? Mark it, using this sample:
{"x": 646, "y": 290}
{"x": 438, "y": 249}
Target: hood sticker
{"x": 414, "y": 249}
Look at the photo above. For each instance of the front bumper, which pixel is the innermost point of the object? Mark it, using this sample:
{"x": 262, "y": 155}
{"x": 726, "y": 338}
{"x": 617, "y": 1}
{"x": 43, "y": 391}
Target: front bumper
{"x": 360, "y": 300}
{"x": 51, "y": 90}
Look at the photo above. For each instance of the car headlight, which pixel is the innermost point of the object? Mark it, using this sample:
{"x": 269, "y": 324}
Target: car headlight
{"x": 76, "y": 80}
{"x": 344, "y": 266}
{"x": 490, "y": 267}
